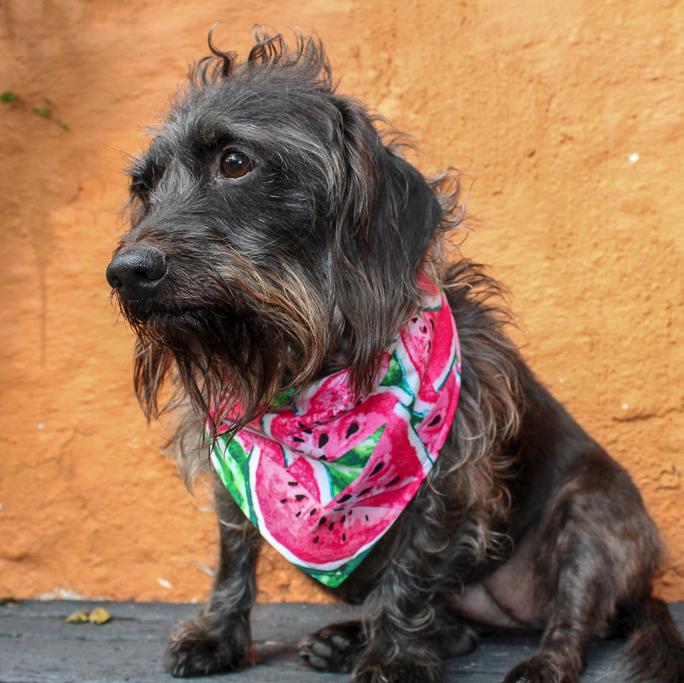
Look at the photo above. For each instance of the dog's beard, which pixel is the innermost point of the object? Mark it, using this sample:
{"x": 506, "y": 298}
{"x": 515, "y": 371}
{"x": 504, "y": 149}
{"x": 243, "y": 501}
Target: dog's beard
{"x": 231, "y": 352}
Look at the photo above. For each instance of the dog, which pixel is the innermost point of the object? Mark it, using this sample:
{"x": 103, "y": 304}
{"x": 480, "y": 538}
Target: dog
{"x": 278, "y": 238}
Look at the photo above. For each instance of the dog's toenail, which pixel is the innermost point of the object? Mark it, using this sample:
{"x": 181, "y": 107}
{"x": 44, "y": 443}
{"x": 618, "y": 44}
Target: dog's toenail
{"x": 318, "y": 662}
{"x": 340, "y": 642}
{"x": 322, "y": 649}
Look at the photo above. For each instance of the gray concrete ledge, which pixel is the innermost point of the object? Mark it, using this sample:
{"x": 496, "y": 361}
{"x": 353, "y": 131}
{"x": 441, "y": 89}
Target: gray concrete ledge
{"x": 37, "y": 646}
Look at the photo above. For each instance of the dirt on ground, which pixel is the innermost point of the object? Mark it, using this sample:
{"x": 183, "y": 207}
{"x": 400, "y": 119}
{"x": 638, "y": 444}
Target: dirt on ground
{"x": 566, "y": 118}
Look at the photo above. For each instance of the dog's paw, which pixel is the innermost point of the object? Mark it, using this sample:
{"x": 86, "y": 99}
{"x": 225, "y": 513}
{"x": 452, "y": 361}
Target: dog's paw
{"x": 195, "y": 650}
{"x": 333, "y": 648}
{"x": 539, "y": 669}
{"x": 457, "y": 641}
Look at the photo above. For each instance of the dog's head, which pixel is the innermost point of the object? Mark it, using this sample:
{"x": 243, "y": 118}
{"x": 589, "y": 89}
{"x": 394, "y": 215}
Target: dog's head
{"x": 274, "y": 234}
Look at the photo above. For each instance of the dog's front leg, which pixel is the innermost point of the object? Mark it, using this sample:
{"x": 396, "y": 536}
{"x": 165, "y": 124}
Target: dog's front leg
{"x": 403, "y": 615}
{"x": 219, "y": 639}
{"x": 401, "y": 629}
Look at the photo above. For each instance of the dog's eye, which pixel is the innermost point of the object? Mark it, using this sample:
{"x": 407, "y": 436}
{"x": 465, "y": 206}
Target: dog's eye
{"x": 139, "y": 187}
{"x": 235, "y": 164}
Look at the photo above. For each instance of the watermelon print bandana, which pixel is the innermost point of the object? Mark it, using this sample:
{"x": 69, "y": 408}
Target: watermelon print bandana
{"x": 324, "y": 476}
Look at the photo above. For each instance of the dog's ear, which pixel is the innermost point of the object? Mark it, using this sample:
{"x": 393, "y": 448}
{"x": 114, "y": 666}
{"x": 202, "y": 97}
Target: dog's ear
{"x": 386, "y": 216}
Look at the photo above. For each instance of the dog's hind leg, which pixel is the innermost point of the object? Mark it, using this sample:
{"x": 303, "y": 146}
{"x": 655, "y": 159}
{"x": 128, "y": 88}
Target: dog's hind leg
{"x": 219, "y": 639}
{"x": 597, "y": 550}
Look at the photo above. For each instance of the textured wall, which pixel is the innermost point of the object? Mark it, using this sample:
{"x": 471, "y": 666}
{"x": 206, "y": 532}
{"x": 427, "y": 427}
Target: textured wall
{"x": 567, "y": 117}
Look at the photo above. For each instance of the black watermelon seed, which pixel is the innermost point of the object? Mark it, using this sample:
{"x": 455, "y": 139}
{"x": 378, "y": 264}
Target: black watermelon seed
{"x": 323, "y": 439}
{"x": 414, "y": 320}
{"x": 423, "y": 329}
{"x": 306, "y": 431}
{"x": 322, "y": 521}
{"x": 323, "y": 457}
{"x": 316, "y": 539}
{"x": 283, "y": 500}
{"x": 331, "y": 526}
{"x": 300, "y": 496}
{"x": 364, "y": 492}
{"x": 377, "y": 468}
{"x": 366, "y": 516}
{"x": 344, "y": 537}
{"x": 394, "y": 481}
{"x": 298, "y": 514}
{"x": 432, "y": 322}
{"x": 352, "y": 429}
{"x": 434, "y": 420}
{"x": 343, "y": 518}
{"x": 301, "y": 425}
{"x": 350, "y": 513}
{"x": 313, "y": 511}
{"x": 345, "y": 498}
{"x": 297, "y": 439}
{"x": 292, "y": 483}
{"x": 338, "y": 509}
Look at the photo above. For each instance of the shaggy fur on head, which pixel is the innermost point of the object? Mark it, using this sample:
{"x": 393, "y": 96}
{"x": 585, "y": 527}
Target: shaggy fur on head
{"x": 304, "y": 258}
{"x": 266, "y": 282}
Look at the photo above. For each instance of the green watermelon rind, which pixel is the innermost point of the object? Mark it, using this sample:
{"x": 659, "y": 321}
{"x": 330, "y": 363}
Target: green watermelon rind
{"x": 359, "y": 455}
{"x": 395, "y": 378}
{"x": 233, "y": 470}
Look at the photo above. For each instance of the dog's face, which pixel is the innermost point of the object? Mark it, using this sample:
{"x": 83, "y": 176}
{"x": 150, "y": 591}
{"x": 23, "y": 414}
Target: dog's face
{"x": 273, "y": 233}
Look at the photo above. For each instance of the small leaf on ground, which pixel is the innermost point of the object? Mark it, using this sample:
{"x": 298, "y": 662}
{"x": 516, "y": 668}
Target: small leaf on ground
{"x": 8, "y": 96}
{"x": 77, "y": 618}
{"x": 99, "y": 616}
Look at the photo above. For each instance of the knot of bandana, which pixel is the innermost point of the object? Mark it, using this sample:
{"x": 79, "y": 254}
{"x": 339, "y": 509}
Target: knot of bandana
{"x": 324, "y": 475}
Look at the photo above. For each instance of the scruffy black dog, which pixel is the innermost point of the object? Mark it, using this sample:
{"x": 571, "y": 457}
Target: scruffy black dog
{"x": 277, "y": 237}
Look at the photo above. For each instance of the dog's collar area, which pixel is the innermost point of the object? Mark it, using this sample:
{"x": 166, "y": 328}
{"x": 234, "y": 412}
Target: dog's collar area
{"x": 323, "y": 475}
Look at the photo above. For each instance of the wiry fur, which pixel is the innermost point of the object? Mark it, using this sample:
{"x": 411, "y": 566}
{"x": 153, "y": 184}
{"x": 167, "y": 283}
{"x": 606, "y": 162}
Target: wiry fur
{"x": 310, "y": 264}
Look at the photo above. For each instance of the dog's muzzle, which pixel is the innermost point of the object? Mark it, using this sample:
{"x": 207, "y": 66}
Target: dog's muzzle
{"x": 138, "y": 272}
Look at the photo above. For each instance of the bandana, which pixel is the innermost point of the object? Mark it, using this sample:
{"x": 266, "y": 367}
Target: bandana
{"x": 324, "y": 475}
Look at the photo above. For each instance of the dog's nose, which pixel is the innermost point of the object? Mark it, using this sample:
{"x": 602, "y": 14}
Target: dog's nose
{"x": 138, "y": 272}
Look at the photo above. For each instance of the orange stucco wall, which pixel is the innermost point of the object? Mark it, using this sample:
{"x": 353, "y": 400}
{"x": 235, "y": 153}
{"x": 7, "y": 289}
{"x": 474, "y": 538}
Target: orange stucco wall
{"x": 567, "y": 118}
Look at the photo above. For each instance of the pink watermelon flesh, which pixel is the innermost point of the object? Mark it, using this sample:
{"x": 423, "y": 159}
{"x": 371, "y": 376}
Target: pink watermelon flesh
{"x": 310, "y": 533}
{"x": 433, "y": 430}
{"x": 318, "y": 535}
{"x": 330, "y": 440}
{"x": 419, "y": 340}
